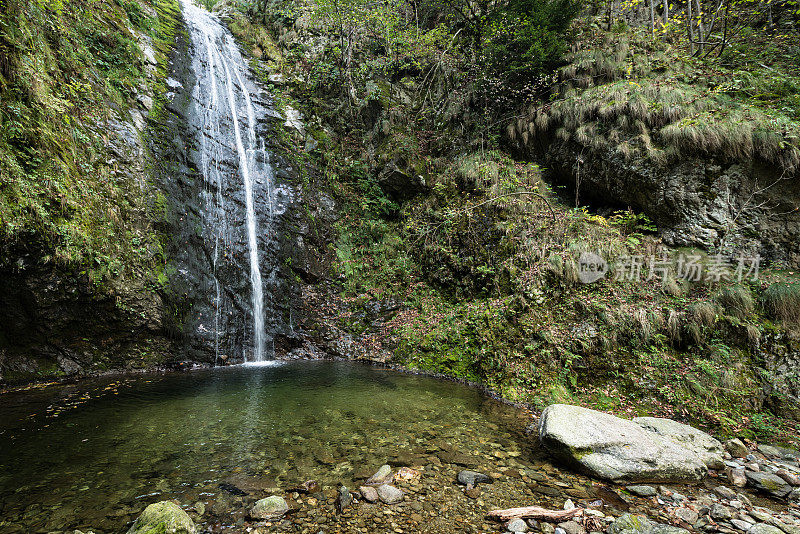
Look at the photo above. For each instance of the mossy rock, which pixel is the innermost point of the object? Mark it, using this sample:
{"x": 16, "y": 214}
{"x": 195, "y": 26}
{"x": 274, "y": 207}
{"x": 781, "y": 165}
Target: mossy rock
{"x": 163, "y": 518}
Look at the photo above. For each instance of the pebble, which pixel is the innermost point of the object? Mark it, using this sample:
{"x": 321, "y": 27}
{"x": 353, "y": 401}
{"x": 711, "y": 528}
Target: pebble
{"x": 741, "y": 525}
{"x": 472, "y": 478}
{"x": 571, "y": 527}
{"x": 369, "y": 493}
{"x": 517, "y": 525}
{"x": 389, "y": 494}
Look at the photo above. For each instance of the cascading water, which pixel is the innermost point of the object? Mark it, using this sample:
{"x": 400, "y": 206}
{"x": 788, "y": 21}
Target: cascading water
{"x": 240, "y": 203}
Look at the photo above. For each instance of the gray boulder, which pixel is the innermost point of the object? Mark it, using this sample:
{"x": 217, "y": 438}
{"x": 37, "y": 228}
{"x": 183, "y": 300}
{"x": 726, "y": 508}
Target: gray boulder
{"x": 163, "y": 517}
{"x": 271, "y": 507}
{"x": 616, "y": 449}
{"x": 769, "y": 483}
{"x": 703, "y": 445}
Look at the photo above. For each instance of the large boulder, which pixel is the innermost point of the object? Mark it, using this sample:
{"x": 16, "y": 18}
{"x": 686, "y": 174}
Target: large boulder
{"x": 703, "y": 445}
{"x": 617, "y": 449}
{"x": 163, "y": 518}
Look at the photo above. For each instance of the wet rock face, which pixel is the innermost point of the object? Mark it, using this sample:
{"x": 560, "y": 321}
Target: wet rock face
{"x": 201, "y": 168}
{"x": 621, "y": 450}
{"x": 697, "y": 202}
{"x": 54, "y": 321}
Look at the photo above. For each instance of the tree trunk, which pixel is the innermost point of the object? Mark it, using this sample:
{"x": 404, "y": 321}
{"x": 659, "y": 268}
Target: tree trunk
{"x": 701, "y": 33}
{"x": 690, "y": 25}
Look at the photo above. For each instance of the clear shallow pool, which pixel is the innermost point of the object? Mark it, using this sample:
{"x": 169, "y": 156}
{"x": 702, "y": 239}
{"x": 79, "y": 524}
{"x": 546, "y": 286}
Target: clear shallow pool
{"x": 93, "y": 454}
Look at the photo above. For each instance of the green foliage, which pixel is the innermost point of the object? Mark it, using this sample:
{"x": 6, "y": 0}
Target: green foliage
{"x": 526, "y": 38}
{"x": 65, "y": 66}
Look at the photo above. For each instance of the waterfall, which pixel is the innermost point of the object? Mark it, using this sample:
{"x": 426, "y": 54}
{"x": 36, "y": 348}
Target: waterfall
{"x": 230, "y": 149}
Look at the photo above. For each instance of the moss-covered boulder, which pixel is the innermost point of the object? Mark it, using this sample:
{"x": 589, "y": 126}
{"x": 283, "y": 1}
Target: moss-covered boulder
{"x": 163, "y": 518}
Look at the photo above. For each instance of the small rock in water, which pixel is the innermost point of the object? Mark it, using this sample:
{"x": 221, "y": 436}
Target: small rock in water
{"x": 517, "y": 525}
{"x": 472, "y": 492}
{"x": 389, "y": 494}
{"x": 233, "y": 490}
{"x": 382, "y": 475}
{"x": 200, "y": 508}
{"x": 270, "y": 508}
{"x": 369, "y": 493}
{"x": 472, "y": 478}
{"x": 642, "y": 491}
{"x": 406, "y": 474}
{"x": 163, "y": 516}
{"x": 344, "y": 499}
{"x": 547, "y": 528}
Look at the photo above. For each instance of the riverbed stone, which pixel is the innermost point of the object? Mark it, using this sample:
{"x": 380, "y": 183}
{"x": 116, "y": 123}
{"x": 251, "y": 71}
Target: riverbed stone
{"x": 472, "y": 478}
{"x": 163, "y": 517}
{"x": 642, "y": 490}
{"x": 618, "y": 449}
{"x": 369, "y": 493}
{"x": 687, "y": 514}
{"x": 383, "y": 474}
{"x": 517, "y": 525}
{"x": 763, "y": 528}
{"x": 736, "y": 448}
{"x": 389, "y": 494}
{"x": 737, "y": 477}
{"x": 769, "y": 483}
{"x": 269, "y": 508}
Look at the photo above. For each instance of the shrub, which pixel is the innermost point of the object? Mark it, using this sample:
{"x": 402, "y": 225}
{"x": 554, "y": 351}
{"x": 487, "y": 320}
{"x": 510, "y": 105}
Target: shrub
{"x": 736, "y": 300}
{"x": 782, "y": 301}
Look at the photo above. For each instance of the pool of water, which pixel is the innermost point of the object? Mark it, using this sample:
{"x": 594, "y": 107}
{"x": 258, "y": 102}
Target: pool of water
{"x": 95, "y": 453}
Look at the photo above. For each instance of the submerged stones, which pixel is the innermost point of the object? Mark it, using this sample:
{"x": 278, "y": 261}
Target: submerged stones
{"x": 389, "y": 494}
{"x": 473, "y": 478}
{"x": 645, "y": 449}
{"x": 269, "y": 508}
{"x": 163, "y": 518}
